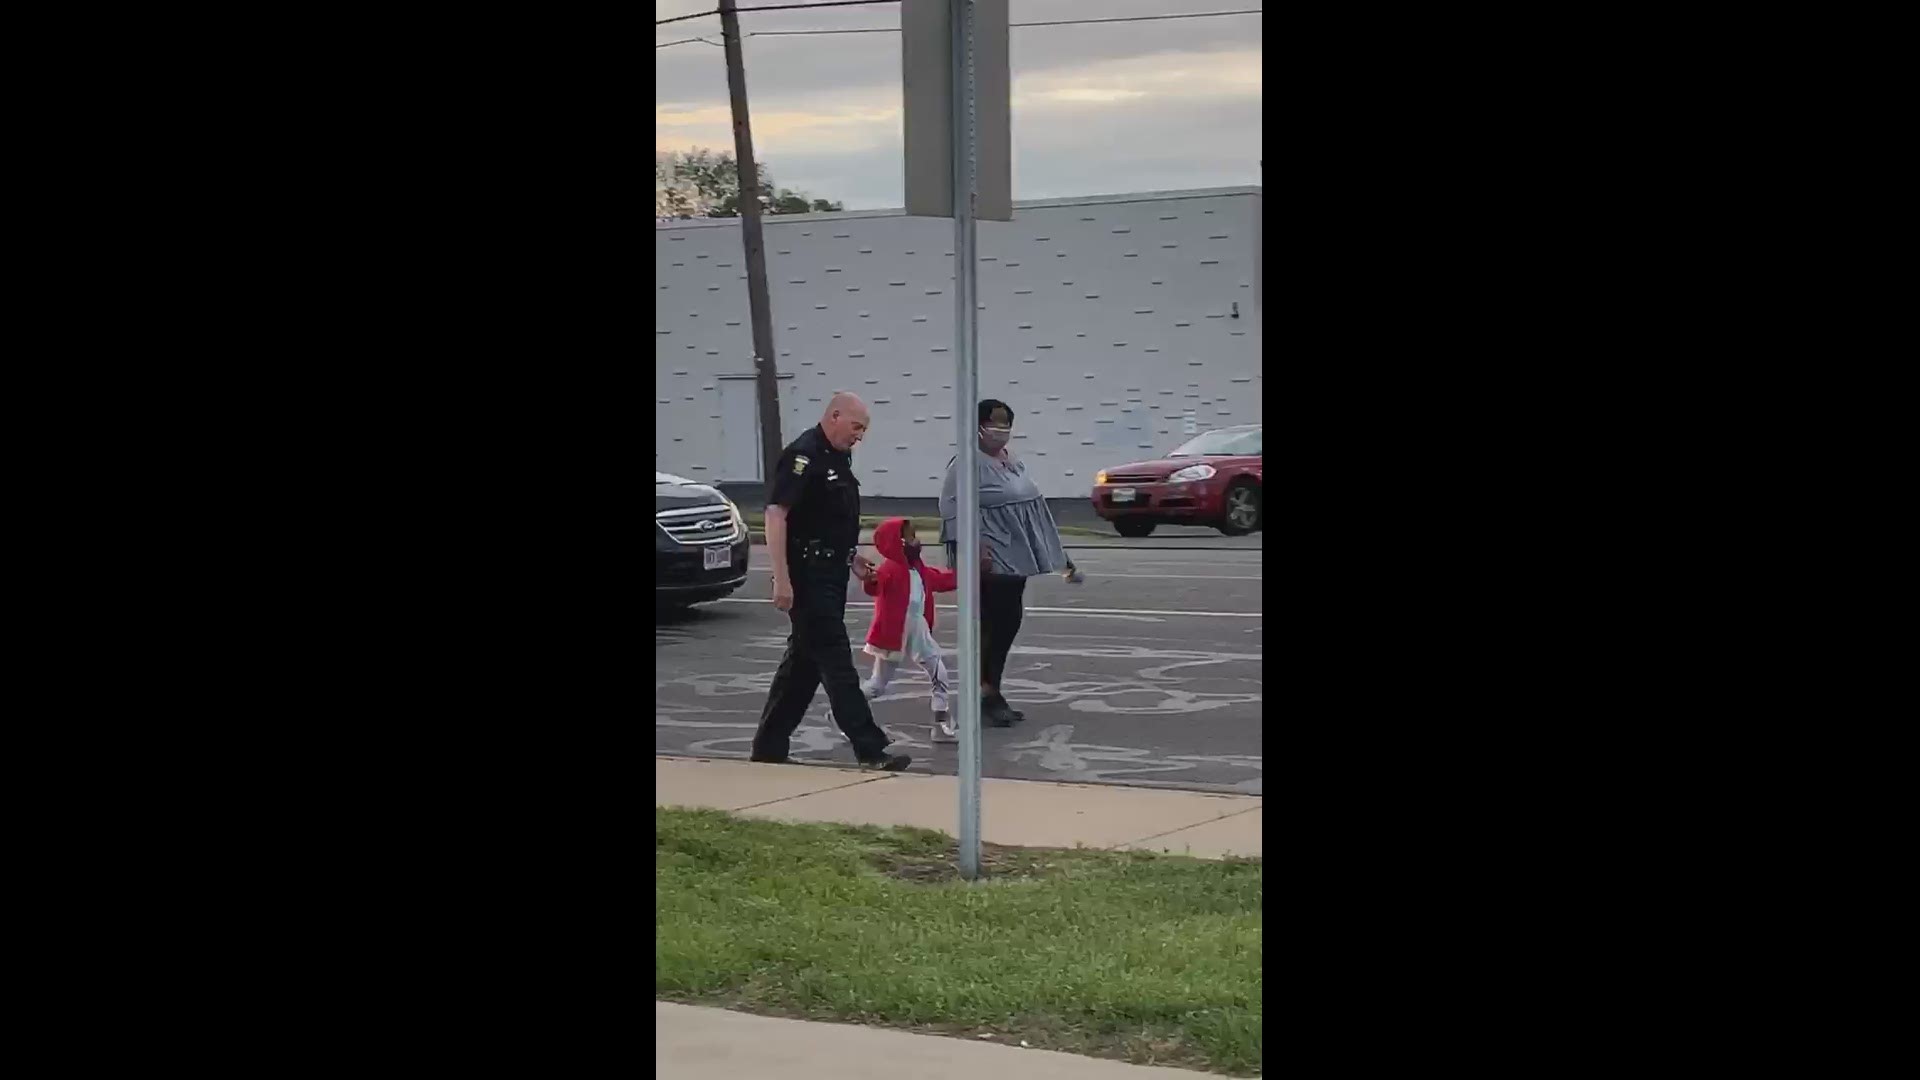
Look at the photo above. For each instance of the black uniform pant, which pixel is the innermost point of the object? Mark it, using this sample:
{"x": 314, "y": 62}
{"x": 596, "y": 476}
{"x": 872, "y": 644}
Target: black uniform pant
{"x": 818, "y": 654}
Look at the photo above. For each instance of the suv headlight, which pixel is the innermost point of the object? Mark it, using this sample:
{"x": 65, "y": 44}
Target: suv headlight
{"x": 1192, "y": 472}
{"x": 1100, "y": 477}
{"x": 739, "y": 519}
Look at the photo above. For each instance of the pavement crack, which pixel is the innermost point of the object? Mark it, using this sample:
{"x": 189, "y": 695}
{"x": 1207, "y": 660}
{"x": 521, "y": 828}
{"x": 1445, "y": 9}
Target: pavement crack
{"x": 802, "y": 795}
{"x": 1249, "y": 810}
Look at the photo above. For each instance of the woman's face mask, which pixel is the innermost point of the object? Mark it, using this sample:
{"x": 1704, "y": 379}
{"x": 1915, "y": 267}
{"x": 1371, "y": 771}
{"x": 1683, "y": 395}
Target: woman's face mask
{"x": 995, "y": 438}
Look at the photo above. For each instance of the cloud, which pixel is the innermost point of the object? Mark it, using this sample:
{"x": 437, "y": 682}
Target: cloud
{"x": 1164, "y": 77}
{"x": 783, "y": 66}
{"x": 846, "y": 128}
{"x": 1098, "y": 109}
{"x": 1088, "y": 95}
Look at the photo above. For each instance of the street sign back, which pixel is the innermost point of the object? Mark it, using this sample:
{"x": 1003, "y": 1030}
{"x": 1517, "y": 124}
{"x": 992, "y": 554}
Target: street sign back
{"x": 926, "y": 58}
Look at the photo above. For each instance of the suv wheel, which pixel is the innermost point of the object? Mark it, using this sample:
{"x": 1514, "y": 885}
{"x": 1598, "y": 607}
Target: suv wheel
{"x": 1134, "y": 527}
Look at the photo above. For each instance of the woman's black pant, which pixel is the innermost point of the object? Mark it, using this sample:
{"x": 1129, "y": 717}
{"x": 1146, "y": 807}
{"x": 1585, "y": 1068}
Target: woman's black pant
{"x": 1002, "y": 603}
{"x": 1003, "y": 600}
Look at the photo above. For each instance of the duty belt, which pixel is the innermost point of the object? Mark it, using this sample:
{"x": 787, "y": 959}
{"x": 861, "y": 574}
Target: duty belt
{"x": 816, "y": 552}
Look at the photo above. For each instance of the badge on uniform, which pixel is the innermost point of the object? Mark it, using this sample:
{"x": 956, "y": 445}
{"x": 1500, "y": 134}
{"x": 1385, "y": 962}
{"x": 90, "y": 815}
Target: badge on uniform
{"x": 799, "y": 464}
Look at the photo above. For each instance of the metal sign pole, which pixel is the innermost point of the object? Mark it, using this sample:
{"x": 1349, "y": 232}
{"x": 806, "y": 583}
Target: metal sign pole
{"x": 966, "y": 395}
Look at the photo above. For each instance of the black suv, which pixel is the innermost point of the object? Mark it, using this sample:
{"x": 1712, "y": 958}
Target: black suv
{"x": 699, "y": 542}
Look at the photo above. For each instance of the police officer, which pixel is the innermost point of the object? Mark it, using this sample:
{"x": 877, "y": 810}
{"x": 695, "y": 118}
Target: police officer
{"x": 813, "y": 526}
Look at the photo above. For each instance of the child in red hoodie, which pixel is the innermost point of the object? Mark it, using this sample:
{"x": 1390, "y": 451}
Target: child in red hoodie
{"x": 903, "y": 589}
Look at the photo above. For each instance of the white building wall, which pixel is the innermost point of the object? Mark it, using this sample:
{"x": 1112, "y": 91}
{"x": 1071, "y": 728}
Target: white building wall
{"x": 1105, "y": 322}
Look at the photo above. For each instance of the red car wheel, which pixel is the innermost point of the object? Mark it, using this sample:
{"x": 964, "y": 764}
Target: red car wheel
{"x": 1243, "y": 509}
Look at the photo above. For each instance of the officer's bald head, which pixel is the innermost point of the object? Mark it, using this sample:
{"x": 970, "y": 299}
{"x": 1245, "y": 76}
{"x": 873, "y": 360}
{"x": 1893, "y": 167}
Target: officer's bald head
{"x": 845, "y": 421}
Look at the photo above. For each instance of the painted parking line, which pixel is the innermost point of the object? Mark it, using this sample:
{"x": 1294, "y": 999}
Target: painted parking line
{"x": 1103, "y": 575}
{"x": 1077, "y": 610}
{"x": 1150, "y": 577}
{"x": 758, "y": 561}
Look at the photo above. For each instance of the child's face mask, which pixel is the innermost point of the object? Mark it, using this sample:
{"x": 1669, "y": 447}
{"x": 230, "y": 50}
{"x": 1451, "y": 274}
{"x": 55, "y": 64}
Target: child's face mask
{"x": 995, "y": 438}
{"x": 912, "y": 549}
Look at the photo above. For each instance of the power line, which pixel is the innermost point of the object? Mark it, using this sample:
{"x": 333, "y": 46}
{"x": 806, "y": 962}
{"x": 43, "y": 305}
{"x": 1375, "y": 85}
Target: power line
{"x": 768, "y": 7}
{"x": 782, "y": 33}
{"x": 685, "y": 41}
{"x": 817, "y": 3}
{"x": 1142, "y": 18}
{"x": 895, "y": 29}
{"x": 777, "y": 7}
{"x": 1057, "y": 22}
{"x": 683, "y": 18}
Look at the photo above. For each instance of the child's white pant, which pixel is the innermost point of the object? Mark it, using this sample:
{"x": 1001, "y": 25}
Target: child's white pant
{"x": 883, "y": 673}
{"x": 934, "y": 666}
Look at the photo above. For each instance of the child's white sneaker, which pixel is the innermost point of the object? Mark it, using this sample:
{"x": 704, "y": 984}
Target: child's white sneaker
{"x": 943, "y": 729}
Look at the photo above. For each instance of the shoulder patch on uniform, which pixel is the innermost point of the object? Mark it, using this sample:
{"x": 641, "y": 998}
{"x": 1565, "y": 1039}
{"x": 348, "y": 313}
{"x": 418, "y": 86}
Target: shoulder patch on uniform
{"x": 799, "y": 464}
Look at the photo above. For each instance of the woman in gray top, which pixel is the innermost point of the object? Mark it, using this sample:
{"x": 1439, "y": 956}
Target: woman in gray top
{"x": 1017, "y": 534}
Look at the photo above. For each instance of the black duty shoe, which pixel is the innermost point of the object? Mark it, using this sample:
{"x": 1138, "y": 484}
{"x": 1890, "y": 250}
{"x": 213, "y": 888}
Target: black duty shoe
{"x": 782, "y": 760}
{"x": 1016, "y": 714}
{"x": 888, "y": 762}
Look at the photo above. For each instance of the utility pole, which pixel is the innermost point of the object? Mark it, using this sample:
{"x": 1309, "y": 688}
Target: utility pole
{"x": 766, "y": 373}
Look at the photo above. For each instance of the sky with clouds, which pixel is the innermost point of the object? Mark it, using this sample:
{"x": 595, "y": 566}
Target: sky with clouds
{"x": 1106, "y": 108}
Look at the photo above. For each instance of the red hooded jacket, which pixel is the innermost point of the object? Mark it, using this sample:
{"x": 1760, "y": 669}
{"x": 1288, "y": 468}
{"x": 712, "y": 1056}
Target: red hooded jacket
{"x": 891, "y": 588}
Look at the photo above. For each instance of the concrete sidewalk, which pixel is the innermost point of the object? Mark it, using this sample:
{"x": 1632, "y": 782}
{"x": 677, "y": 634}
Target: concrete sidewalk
{"x": 1022, "y": 813}
{"x": 692, "y": 1043}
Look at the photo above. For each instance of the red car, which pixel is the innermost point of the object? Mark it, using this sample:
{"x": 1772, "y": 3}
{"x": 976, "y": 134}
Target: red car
{"x": 1213, "y": 479}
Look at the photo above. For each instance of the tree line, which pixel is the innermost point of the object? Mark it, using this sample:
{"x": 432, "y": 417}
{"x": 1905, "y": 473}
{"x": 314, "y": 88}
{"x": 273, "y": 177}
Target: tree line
{"x": 702, "y": 183}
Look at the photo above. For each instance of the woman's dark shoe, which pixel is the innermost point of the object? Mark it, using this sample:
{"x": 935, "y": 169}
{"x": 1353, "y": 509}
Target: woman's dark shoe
{"x": 994, "y": 712}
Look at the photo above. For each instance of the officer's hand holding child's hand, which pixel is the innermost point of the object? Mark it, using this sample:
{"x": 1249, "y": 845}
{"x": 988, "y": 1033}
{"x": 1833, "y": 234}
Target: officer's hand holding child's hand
{"x": 862, "y": 569}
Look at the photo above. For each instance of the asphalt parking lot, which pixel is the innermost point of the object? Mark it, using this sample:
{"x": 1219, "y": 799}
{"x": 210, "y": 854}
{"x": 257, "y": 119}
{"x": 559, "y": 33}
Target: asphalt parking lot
{"x": 1148, "y": 673}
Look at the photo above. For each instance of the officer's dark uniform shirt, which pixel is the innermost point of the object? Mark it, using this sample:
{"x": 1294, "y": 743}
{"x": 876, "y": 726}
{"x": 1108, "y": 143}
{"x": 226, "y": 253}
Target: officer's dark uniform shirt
{"x": 815, "y": 483}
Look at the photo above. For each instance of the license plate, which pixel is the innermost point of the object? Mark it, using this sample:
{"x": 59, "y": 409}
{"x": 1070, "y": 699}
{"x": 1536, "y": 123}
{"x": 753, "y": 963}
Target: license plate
{"x": 719, "y": 557}
{"x": 1122, "y": 494}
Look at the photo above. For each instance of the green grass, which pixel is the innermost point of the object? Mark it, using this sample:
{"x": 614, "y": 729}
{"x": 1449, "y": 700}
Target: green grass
{"x": 925, "y": 526}
{"x": 1153, "y": 959}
